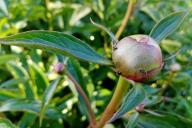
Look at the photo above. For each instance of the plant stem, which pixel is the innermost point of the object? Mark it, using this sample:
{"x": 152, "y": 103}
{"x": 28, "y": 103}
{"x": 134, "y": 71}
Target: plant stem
{"x": 120, "y": 90}
{"x": 91, "y": 115}
{"x": 126, "y": 18}
{"x": 123, "y": 84}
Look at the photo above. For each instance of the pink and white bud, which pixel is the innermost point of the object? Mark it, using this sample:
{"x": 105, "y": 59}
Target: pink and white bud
{"x": 59, "y": 67}
{"x": 137, "y": 57}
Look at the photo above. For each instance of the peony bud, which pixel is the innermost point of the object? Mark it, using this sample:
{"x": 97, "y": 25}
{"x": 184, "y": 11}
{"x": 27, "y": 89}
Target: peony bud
{"x": 137, "y": 57}
{"x": 59, "y": 67}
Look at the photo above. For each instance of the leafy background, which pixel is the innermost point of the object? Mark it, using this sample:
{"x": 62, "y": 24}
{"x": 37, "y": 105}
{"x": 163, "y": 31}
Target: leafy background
{"x": 28, "y": 75}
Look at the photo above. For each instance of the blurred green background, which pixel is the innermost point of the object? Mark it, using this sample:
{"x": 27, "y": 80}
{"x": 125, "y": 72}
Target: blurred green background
{"x": 26, "y": 73}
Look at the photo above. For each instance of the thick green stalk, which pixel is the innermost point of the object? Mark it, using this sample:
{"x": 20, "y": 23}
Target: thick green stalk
{"x": 121, "y": 89}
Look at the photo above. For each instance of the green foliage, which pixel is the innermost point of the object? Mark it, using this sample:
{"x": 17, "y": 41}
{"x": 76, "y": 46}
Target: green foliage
{"x": 133, "y": 98}
{"x": 28, "y": 61}
{"x": 48, "y": 94}
{"x": 5, "y": 58}
{"x": 167, "y": 25}
{"x": 73, "y": 68}
{"x": 56, "y": 42}
{"x": 166, "y": 121}
{"x": 38, "y": 78}
{"x": 133, "y": 120}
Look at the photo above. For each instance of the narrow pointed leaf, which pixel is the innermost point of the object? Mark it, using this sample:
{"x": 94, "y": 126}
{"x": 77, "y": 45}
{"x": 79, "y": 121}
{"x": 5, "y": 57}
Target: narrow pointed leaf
{"x": 167, "y": 25}
{"x": 169, "y": 120}
{"x": 147, "y": 122}
{"x": 7, "y": 94}
{"x": 133, "y": 98}
{"x": 5, "y": 58}
{"x": 27, "y": 120}
{"x": 47, "y": 97}
{"x": 133, "y": 120}
{"x": 38, "y": 78}
{"x": 73, "y": 68}
{"x": 12, "y": 82}
{"x": 56, "y": 42}
{"x": 49, "y": 92}
{"x": 25, "y": 105}
{"x": 20, "y": 72}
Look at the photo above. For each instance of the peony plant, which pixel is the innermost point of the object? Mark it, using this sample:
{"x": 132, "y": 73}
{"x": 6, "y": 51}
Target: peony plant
{"x": 136, "y": 58}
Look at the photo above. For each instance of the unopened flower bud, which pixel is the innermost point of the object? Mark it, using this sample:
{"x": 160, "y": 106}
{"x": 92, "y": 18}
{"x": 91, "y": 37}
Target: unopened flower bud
{"x": 137, "y": 57}
{"x": 59, "y": 67}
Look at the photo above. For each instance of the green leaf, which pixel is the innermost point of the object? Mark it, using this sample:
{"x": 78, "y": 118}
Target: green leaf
{"x": 56, "y": 42}
{"x": 6, "y": 94}
{"x": 20, "y": 105}
{"x": 5, "y": 123}
{"x": 19, "y": 72}
{"x": 12, "y": 82}
{"x": 38, "y": 78}
{"x": 168, "y": 120}
{"x": 81, "y": 102}
{"x": 5, "y": 58}
{"x": 153, "y": 100}
{"x": 27, "y": 120}
{"x": 32, "y": 106}
{"x": 133, "y": 98}
{"x": 133, "y": 120}
{"x": 48, "y": 94}
{"x": 167, "y": 25}
{"x": 147, "y": 122}
{"x": 73, "y": 69}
